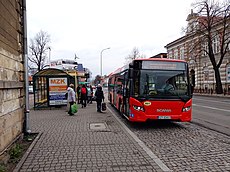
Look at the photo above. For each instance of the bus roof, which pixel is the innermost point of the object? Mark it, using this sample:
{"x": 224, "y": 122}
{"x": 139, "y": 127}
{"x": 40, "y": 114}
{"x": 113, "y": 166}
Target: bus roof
{"x": 142, "y": 59}
{"x": 160, "y": 59}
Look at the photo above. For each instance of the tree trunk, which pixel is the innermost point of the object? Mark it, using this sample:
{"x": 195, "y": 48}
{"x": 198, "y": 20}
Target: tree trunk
{"x": 219, "y": 89}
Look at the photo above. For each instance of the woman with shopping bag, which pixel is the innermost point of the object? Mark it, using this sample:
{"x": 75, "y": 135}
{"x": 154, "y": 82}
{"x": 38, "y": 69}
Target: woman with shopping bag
{"x": 71, "y": 98}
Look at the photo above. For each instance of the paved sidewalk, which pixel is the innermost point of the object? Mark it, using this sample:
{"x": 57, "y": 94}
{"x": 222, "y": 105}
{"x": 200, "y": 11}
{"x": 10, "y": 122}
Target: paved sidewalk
{"x": 87, "y": 141}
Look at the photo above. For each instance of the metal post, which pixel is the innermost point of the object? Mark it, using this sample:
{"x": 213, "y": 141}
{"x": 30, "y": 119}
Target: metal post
{"x": 49, "y": 56}
{"x": 101, "y": 57}
{"x": 25, "y": 55}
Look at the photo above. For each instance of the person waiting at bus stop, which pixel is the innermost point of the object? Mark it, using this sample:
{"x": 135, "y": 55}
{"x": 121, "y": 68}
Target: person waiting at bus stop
{"x": 99, "y": 97}
{"x": 89, "y": 94}
{"x": 167, "y": 86}
{"x": 78, "y": 94}
{"x": 83, "y": 96}
{"x": 71, "y": 98}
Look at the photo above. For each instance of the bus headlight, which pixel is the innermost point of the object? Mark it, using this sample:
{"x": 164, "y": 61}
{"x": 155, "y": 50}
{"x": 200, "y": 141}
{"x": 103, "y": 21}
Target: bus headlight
{"x": 186, "y": 109}
{"x": 138, "y": 108}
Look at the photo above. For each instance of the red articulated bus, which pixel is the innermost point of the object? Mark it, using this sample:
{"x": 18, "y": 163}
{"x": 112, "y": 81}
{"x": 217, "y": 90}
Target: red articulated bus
{"x": 152, "y": 89}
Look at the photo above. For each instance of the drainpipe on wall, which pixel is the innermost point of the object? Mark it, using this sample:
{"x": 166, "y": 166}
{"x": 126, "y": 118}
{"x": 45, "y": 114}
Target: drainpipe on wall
{"x": 25, "y": 56}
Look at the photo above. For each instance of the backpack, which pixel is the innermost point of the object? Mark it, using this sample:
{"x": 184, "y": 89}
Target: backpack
{"x": 83, "y": 90}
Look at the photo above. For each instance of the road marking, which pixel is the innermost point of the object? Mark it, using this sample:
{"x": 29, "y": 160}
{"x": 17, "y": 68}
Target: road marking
{"x": 225, "y": 110}
{"x": 146, "y": 149}
{"x": 212, "y": 100}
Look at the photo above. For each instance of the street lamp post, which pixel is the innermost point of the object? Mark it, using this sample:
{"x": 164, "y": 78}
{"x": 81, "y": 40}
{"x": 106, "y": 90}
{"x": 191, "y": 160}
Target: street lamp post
{"x": 101, "y": 57}
{"x": 49, "y": 56}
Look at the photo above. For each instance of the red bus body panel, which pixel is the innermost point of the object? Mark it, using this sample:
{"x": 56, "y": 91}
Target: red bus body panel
{"x": 154, "y": 110}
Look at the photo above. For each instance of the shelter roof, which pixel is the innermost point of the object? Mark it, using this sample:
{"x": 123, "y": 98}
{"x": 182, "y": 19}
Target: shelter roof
{"x": 50, "y": 72}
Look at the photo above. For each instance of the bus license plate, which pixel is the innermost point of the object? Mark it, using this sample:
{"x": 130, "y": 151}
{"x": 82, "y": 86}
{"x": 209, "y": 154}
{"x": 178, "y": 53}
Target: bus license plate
{"x": 164, "y": 117}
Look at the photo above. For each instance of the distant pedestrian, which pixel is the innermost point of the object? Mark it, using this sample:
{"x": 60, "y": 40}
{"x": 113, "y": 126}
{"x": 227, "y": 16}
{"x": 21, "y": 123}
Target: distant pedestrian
{"x": 83, "y": 96}
{"x": 192, "y": 89}
{"x": 78, "y": 94}
{"x": 71, "y": 98}
{"x": 90, "y": 94}
{"x": 99, "y": 97}
{"x": 225, "y": 91}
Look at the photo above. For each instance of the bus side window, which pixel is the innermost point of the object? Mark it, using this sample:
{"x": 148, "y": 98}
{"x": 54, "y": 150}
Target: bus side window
{"x": 119, "y": 89}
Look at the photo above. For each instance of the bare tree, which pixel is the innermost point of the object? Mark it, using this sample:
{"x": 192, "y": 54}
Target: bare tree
{"x": 135, "y": 54}
{"x": 212, "y": 32}
{"x": 38, "y": 48}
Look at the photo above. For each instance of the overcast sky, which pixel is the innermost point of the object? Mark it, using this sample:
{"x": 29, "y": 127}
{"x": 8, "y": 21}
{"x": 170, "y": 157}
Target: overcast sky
{"x": 86, "y": 27}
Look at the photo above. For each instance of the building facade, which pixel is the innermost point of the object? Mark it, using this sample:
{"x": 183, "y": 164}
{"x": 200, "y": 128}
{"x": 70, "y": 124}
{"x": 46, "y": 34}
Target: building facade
{"x": 12, "y": 92}
{"x": 192, "y": 49}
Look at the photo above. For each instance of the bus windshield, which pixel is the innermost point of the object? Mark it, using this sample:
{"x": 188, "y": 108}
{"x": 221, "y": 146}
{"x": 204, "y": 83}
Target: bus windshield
{"x": 171, "y": 84}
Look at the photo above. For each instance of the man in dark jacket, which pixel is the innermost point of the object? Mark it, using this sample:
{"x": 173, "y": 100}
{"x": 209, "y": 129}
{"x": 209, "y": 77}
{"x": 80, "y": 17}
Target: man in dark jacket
{"x": 99, "y": 97}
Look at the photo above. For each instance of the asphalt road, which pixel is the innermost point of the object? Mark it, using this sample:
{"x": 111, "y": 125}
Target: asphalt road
{"x": 212, "y": 112}
{"x": 185, "y": 146}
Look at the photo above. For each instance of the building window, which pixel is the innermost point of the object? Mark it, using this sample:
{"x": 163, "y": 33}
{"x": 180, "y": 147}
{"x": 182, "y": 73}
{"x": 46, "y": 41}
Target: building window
{"x": 206, "y": 73}
{"x": 228, "y": 73}
{"x": 176, "y": 54}
{"x": 170, "y": 54}
{"x": 191, "y": 48}
{"x": 216, "y": 44}
{"x": 205, "y": 48}
{"x": 182, "y": 53}
{"x": 228, "y": 40}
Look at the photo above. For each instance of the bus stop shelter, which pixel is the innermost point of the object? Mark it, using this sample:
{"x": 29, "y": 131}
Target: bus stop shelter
{"x": 50, "y": 87}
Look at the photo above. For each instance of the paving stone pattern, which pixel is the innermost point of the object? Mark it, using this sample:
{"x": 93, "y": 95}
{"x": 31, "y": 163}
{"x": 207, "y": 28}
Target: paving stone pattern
{"x": 68, "y": 144}
{"x": 185, "y": 147}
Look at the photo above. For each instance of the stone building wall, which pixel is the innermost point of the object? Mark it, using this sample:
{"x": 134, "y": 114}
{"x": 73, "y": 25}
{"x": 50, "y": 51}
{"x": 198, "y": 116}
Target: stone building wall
{"x": 199, "y": 62}
{"x": 12, "y": 94}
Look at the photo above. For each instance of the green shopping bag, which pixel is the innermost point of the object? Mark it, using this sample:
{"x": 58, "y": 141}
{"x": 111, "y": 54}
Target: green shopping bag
{"x": 74, "y": 108}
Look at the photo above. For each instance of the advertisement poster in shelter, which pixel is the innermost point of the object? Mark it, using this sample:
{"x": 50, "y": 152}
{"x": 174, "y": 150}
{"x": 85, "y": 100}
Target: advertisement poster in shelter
{"x": 57, "y": 91}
